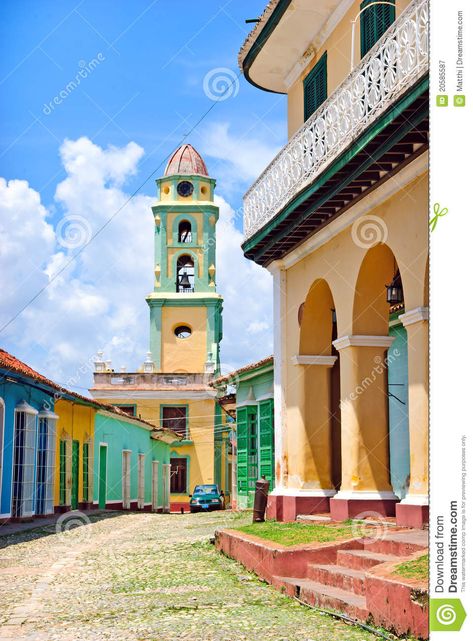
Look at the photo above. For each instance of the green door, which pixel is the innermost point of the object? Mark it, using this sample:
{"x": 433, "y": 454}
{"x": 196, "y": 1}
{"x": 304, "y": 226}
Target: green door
{"x": 103, "y": 477}
{"x": 62, "y": 472}
{"x": 266, "y": 441}
{"x": 75, "y": 476}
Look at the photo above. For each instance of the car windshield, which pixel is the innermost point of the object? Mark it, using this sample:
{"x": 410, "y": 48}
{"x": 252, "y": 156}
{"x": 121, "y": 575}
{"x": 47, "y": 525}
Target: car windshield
{"x": 205, "y": 489}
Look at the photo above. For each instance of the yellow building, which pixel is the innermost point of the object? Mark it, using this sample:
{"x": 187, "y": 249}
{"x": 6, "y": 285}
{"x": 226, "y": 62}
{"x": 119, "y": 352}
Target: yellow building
{"x": 171, "y": 389}
{"x": 74, "y": 474}
{"x": 340, "y": 218}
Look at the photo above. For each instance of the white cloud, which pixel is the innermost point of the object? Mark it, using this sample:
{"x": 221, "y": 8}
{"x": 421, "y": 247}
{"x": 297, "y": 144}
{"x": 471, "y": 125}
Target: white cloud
{"x": 242, "y": 157}
{"x": 97, "y": 299}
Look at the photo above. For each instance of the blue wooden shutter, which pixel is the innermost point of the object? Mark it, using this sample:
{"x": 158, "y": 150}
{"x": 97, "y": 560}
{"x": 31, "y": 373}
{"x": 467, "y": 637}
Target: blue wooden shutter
{"x": 373, "y": 23}
{"x": 315, "y": 87}
{"x": 266, "y": 441}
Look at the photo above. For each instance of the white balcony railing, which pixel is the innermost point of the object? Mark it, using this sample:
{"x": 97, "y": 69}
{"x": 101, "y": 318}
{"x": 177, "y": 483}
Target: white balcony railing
{"x": 393, "y": 65}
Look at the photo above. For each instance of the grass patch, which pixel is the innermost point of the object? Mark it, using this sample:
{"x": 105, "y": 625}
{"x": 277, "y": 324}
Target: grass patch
{"x": 415, "y": 569}
{"x": 297, "y": 533}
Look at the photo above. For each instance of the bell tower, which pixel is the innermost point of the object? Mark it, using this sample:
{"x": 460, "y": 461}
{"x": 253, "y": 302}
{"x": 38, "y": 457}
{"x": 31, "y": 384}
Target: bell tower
{"x": 185, "y": 309}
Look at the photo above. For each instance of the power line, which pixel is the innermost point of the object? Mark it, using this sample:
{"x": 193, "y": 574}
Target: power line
{"x": 109, "y": 220}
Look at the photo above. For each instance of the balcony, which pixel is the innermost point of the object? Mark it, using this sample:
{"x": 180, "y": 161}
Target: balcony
{"x": 142, "y": 381}
{"x": 395, "y": 65}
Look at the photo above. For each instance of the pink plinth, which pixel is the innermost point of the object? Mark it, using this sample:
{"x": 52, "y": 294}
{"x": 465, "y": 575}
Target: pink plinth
{"x": 343, "y": 509}
{"x": 287, "y": 508}
{"x": 412, "y": 515}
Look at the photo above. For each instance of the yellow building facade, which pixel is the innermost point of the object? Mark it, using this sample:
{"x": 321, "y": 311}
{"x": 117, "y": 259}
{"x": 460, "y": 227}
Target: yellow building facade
{"x": 73, "y": 486}
{"x": 340, "y": 218}
{"x": 172, "y": 387}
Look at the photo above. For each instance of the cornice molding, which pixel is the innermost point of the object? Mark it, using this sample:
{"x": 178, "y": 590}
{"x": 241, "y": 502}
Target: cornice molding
{"x": 313, "y": 359}
{"x": 416, "y": 315}
{"x": 363, "y": 341}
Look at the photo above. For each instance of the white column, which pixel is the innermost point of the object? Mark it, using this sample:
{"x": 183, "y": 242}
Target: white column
{"x": 280, "y": 368}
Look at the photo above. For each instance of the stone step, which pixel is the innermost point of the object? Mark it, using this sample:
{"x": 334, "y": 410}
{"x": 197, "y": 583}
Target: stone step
{"x": 398, "y": 543}
{"x": 362, "y": 559}
{"x": 338, "y": 577}
{"x": 326, "y": 597}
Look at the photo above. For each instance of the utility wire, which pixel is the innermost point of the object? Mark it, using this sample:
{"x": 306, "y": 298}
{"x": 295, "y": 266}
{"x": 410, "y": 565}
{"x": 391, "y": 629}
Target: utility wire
{"x": 109, "y": 220}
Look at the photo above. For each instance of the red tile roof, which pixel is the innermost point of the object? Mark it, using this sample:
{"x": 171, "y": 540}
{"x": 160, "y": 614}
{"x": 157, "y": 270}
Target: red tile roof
{"x": 14, "y": 365}
{"x": 247, "y": 368}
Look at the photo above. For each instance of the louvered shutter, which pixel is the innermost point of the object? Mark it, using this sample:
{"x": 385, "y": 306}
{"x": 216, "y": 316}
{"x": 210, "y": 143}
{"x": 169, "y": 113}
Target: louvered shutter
{"x": 373, "y": 23}
{"x": 242, "y": 450}
{"x": 266, "y": 441}
{"x": 315, "y": 87}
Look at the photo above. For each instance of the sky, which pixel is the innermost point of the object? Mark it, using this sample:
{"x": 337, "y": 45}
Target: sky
{"x": 94, "y": 97}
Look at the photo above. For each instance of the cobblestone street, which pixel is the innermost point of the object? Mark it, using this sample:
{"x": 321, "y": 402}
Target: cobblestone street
{"x": 144, "y": 577}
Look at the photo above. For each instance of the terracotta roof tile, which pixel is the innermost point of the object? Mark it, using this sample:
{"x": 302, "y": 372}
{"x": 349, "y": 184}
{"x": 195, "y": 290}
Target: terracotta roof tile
{"x": 14, "y": 365}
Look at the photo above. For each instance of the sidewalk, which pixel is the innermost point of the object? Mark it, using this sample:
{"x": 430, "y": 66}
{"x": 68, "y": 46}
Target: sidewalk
{"x": 7, "y": 529}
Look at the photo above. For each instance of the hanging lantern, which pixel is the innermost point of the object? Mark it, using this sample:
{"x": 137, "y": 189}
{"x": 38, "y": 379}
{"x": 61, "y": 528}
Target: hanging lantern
{"x": 394, "y": 293}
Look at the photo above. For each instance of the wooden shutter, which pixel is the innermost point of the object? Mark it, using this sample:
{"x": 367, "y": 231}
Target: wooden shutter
{"x": 373, "y": 23}
{"x": 266, "y": 441}
{"x": 242, "y": 450}
{"x": 62, "y": 472}
{"x": 315, "y": 87}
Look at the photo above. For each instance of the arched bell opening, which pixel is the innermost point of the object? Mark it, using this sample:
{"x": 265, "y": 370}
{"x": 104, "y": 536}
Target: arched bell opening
{"x": 185, "y": 274}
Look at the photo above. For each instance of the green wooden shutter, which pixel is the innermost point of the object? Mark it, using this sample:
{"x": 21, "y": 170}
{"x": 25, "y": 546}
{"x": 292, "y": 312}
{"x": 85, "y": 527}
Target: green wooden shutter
{"x": 62, "y": 472}
{"x": 242, "y": 450}
{"x": 373, "y": 23}
{"x": 266, "y": 441}
{"x": 75, "y": 476}
{"x": 315, "y": 87}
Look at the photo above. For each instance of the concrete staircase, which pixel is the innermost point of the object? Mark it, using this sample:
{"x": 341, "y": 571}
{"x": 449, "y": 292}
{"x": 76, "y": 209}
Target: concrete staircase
{"x": 340, "y": 586}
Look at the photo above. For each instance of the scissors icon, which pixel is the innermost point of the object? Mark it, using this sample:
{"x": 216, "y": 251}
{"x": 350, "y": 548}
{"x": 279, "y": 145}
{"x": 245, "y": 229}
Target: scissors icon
{"x": 438, "y": 213}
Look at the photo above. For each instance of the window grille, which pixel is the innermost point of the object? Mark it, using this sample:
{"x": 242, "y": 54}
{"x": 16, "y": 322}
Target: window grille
{"x": 24, "y": 460}
{"x": 126, "y": 456}
{"x": 45, "y": 465}
{"x": 141, "y": 481}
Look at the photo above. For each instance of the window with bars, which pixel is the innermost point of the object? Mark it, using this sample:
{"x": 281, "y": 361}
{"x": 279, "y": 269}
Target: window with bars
{"x": 126, "y": 460}
{"x": 179, "y": 476}
{"x": 375, "y": 19}
{"x": 45, "y": 462}
{"x": 175, "y": 418}
{"x": 24, "y": 460}
{"x": 155, "y": 485}
{"x": 315, "y": 87}
{"x": 141, "y": 481}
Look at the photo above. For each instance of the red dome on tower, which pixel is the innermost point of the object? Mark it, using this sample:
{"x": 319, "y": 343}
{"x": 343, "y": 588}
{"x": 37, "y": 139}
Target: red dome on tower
{"x": 186, "y": 160}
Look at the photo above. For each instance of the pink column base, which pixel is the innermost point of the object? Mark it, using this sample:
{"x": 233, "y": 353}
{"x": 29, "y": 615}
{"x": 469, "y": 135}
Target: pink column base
{"x": 415, "y": 516}
{"x": 343, "y": 509}
{"x": 287, "y": 508}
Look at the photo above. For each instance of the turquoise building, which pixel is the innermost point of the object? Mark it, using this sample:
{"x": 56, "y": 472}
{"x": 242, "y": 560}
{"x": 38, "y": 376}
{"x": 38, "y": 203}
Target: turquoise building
{"x": 131, "y": 464}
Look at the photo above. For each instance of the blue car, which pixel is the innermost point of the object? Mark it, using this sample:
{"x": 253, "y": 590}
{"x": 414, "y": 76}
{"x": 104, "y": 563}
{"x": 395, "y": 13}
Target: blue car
{"x": 206, "y": 497}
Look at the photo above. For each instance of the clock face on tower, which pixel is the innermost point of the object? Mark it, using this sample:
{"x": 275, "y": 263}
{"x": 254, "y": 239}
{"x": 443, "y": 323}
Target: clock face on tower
{"x": 185, "y": 188}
